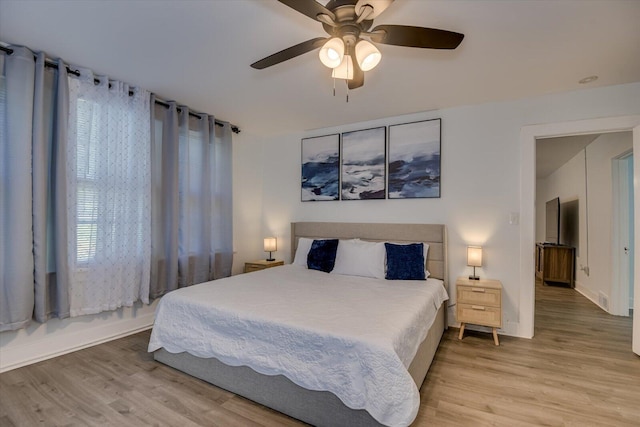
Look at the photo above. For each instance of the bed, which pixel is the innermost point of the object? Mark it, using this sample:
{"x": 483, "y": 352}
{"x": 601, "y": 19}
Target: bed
{"x": 302, "y": 393}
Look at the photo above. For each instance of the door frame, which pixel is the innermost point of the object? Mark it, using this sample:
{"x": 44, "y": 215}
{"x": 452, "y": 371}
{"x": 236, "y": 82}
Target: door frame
{"x": 621, "y": 230}
{"x": 528, "y": 136}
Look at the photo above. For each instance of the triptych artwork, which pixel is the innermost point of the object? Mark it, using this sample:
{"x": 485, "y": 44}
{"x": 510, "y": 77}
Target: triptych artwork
{"x": 360, "y": 165}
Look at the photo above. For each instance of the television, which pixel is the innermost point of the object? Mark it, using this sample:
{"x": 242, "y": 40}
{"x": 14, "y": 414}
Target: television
{"x": 552, "y": 222}
{"x": 569, "y": 233}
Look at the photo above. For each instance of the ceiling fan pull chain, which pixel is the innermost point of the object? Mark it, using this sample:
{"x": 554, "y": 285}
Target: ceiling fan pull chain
{"x": 334, "y": 87}
{"x": 347, "y": 81}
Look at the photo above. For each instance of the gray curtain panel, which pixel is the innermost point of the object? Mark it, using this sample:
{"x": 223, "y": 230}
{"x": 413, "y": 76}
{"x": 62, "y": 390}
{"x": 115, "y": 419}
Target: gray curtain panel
{"x": 32, "y": 123}
{"x": 50, "y": 119}
{"x": 222, "y": 203}
{"x": 164, "y": 199}
{"x": 191, "y": 215}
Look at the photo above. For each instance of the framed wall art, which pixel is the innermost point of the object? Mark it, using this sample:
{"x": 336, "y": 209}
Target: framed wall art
{"x": 363, "y": 164}
{"x": 321, "y": 168}
{"x": 414, "y": 160}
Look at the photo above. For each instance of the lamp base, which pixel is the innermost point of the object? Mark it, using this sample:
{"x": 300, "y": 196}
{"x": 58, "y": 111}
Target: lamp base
{"x": 474, "y": 278}
{"x": 270, "y": 259}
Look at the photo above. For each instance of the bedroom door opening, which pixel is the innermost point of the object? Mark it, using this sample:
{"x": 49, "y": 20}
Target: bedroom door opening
{"x": 528, "y": 137}
{"x": 622, "y": 247}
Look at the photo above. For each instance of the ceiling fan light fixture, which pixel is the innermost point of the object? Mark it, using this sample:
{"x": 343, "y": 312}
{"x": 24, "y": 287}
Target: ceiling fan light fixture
{"x": 332, "y": 52}
{"x": 368, "y": 55}
{"x": 345, "y": 70}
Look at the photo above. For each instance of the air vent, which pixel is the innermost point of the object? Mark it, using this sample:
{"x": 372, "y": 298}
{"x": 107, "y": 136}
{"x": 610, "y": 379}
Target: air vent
{"x": 603, "y": 300}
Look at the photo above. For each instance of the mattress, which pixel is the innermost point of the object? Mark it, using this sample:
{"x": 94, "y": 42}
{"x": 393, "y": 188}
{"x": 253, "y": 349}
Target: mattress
{"x": 352, "y": 336}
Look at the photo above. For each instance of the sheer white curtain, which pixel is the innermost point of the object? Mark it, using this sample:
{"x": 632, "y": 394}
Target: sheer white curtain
{"x": 108, "y": 198}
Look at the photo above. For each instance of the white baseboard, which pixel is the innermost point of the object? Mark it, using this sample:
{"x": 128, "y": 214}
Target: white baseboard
{"x": 588, "y": 294}
{"x": 27, "y": 347}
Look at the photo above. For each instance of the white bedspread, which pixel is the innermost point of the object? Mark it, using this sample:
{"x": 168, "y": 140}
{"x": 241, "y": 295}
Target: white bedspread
{"x": 352, "y": 336}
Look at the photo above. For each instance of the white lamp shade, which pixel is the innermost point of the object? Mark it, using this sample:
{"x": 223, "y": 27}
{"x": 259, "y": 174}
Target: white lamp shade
{"x": 270, "y": 244}
{"x": 332, "y": 52}
{"x": 474, "y": 256}
{"x": 368, "y": 55}
{"x": 345, "y": 70}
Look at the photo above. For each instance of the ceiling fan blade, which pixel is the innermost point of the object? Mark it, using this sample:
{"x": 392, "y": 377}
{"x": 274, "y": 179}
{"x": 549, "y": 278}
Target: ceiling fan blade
{"x": 358, "y": 77}
{"x": 405, "y": 35}
{"x": 289, "y": 53}
{"x": 378, "y": 6}
{"x": 311, "y": 8}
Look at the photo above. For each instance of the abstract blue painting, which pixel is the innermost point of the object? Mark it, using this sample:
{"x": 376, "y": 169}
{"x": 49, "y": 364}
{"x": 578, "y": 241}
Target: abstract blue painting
{"x": 414, "y": 160}
{"x": 364, "y": 164}
{"x": 321, "y": 168}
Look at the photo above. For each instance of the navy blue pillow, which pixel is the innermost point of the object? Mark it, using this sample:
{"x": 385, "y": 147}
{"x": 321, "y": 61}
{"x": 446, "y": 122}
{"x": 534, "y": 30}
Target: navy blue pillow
{"x": 322, "y": 255}
{"x": 405, "y": 262}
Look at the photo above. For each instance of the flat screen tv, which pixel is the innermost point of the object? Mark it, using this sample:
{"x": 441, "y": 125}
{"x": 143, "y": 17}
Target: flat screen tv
{"x": 552, "y": 222}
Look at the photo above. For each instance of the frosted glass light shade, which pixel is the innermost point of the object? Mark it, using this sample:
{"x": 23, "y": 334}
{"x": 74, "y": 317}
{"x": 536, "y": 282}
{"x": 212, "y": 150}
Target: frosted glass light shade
{"x": 332, "y": 52}
{"x": 368, "y": 55}
{"x": 270, "y": 244}
{"x": 474, "y": 256}
{"x": 345, "y": 70}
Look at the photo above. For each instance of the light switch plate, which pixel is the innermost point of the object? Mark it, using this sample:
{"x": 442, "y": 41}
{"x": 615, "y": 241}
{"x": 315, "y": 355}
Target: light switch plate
{"x": 514, "y": 218}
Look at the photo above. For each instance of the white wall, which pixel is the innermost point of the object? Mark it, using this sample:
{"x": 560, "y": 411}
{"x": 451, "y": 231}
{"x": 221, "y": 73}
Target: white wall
{"x": 42, "y": 341}
{"x": 480, "y": 181}
{"x": 636, "y": 273}
{"x": 568, "y": 183}
{"x": 247, "y": 199}
{"x": 631, "y": 225}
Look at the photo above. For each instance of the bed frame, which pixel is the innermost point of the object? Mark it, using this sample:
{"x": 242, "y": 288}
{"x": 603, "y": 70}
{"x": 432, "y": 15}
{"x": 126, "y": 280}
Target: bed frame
{"x": 323, "y": 408}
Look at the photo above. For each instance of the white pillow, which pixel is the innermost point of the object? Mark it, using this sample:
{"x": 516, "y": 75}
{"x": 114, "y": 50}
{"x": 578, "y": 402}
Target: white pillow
{"x": 360, "y": 258}
{"x": 425, "y": 252}
{"x": 304, "y": 245}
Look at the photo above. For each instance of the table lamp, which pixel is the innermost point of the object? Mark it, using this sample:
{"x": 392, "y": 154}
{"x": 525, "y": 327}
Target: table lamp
{"x": 474, "y": 259}
{"x": 270, "y": 245}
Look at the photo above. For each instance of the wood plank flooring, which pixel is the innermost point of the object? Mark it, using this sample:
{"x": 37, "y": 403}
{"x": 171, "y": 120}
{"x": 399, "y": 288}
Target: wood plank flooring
{"x": 577, "y": 371}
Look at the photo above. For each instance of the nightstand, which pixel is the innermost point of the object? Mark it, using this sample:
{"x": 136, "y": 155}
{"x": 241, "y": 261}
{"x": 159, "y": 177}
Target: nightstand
{"x": 479, "y": 303}
{"x": 261, "y": 265}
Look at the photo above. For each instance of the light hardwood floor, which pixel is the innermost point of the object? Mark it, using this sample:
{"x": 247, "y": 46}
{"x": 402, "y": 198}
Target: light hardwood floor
{"x": 578, "y": 371}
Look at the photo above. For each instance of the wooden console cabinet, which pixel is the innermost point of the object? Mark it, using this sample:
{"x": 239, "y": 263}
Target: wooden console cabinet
{"x": 555, "y": 263}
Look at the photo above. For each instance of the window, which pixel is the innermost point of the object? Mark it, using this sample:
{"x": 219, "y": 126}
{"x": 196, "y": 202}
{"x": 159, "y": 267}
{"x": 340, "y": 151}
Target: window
{"x": 108, "y": 195}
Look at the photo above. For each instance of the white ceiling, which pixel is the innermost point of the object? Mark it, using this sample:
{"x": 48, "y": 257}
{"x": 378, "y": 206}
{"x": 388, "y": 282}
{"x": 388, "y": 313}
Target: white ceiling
{"x": 198, "y": 52}
{"x": 551, "y": 153}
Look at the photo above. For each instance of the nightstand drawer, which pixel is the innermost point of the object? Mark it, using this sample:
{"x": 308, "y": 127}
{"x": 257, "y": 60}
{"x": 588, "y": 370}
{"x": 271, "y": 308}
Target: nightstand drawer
{"x": 261, "y": 265}
{"x": 478, "y": 314}
{"x": 248, "y": 268}
{"x": 479, "y": 295}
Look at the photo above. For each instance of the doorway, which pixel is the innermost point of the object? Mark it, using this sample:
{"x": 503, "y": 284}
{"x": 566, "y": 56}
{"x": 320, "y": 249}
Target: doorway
{"x": 623, "y": 233}
{"x": 528, "y": 136}
{"x": 590, "y": 173}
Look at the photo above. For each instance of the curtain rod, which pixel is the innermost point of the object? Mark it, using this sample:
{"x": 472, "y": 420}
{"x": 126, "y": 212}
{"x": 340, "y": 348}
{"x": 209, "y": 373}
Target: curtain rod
{"x": 49, "y": 63}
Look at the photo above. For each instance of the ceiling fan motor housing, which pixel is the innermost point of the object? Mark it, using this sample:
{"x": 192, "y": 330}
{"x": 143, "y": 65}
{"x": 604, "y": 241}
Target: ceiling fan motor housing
{"x": 347, "y": 28}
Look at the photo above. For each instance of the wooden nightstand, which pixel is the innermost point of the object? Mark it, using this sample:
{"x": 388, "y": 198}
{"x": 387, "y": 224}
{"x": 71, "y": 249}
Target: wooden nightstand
{"x": 261, "y": 265}
{"x": 479, "y": 303}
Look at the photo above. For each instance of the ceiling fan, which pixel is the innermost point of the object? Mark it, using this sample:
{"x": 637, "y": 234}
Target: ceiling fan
{"x": 348, "y": 22}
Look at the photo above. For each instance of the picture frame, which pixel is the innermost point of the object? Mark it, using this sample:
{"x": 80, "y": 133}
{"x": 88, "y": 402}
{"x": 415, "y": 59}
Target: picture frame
{"x": 414, "y": 160}
{"x": 363, "y": 164}
{"x": 320, "y": 171}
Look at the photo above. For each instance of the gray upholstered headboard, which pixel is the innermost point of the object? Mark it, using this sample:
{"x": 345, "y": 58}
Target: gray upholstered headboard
{"x": 433, "y": 234}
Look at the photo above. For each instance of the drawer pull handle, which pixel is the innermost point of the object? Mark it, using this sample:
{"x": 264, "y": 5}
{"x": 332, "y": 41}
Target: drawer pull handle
{"x": 478, "y": 290}
{"x": 477, "y": 307}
